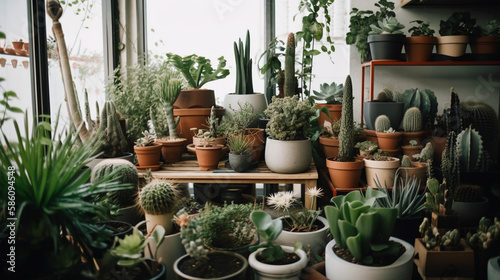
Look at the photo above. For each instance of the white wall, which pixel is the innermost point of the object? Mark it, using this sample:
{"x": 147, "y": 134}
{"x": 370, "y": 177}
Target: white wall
{"x": 471, "y": 83}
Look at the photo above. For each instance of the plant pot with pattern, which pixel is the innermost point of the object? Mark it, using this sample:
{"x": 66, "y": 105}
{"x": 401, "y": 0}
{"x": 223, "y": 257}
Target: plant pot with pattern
{"x": 147, "y": 151}
{"x": 197, "y": 71}
{"x": 345, "y": 170}
{"x": 386, "y": 39}
{"x": 159, "y": 199}
{"x": 288, "y": 149}
{"x": 455, "y": 32}
{"x": 419, "y": 45}
{"x": 331, "y": 94}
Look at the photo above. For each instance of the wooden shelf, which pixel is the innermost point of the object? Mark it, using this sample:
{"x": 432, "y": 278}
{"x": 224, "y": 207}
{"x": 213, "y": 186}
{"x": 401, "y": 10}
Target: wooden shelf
{"x": 425, "y": 3}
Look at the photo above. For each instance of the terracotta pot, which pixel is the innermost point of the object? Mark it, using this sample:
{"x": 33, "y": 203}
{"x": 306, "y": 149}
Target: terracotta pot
{"x": 370, "y": 135}
{"x": 208, "y": 157}
{"x": 18, "y": 45}
{"x": 484, "y": 45}
{"x": 335, "y": 113}
{"x": 388, "y": 141}
{"x": 26, "y": 46}
{"x": 221, "y": 140}
{"x": 452, "y": 45}
{"x": 419, "y": 48}
{"x": 392, "y": 152}
{"x": 316, "y": 271}
{"x": 195, "y": 98}
{"x": 257, "y": 136}
{"x": 383, "y": 170}
{"x": 196, "y": 117}
{"x": 411, "y": 150}
{"x": 148, "y": 155}
{"x": 172, "y": 149}
{"x": 330, "y": 146}
{"x": 345, "y": 175}
{"x": 439, "y": 144}
{"x": 417, "y": 136}
{"x": 418, "y": 170}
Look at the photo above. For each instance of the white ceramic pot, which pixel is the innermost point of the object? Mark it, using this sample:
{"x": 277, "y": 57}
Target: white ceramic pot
{"x": 339, "y": 269}
{"x": 494, "y": 268}
{"x": 317, "y": 240}
{"x": 164, "y": 220}
{"x": 257, "y": 100}
{"x": 292, "y": 156}
{"x": 383, "y": 170}
{"x": 265, "y": 271}
{"x": 238, "y": 275}
{"x": 169, "y": 251}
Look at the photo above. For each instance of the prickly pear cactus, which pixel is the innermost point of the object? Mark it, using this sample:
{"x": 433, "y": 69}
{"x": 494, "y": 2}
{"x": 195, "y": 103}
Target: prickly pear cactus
{"x": 110, "y": 138}
{"x": 382, "y": 123}
{"x": 412, "y": 120}
{"x": 158, "y": 198}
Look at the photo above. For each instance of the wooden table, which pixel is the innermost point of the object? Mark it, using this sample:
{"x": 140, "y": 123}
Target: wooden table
{"x": 188, "y": 171}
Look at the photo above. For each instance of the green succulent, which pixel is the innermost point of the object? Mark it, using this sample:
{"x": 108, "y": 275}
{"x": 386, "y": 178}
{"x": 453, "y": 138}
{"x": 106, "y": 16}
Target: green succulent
{"x": 389, "y": 25}
{"x": 331, "y": 93}
{"x": 491, "y": 28}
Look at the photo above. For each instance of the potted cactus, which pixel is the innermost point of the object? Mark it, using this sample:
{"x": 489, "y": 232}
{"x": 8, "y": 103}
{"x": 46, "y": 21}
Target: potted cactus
{"x": 240, "y": 152}
{"x": 362, "y": 238}
{"x": 485, "y": 39}
{"x": 388, "y": 139}
{"x": 168, "y": 92}
{"x": 366, "y": 148}
{"x": 387, "y": 103}
{"x": 470, "y": 204}
{"x": 386, "y": 39}
{"x": 380, "y": 166}
{"x": 412, "y": 126}
{"x": 288, "y": 149}
{"x": 419, "y": 45}
{"x": 158, "y": 200}
{"x": 345, "y": 170}
{"x": 148, "y": 151}
{"x": 411, "y": 169}
{"x": 455, "y": 32}
{"x": 244, "y": 83}
{"x": 426, "y": 101}
{"x": 212, "y": 127}
{"x": 331, "y": 94}
{"x": 411, "y": 149}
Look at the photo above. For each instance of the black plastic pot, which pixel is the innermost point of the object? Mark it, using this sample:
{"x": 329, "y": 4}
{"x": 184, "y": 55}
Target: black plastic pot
{"x": 393, "y": 110}
{"x": 386, "y": 46}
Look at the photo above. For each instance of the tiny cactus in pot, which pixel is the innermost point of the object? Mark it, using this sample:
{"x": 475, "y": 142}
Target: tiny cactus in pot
{"x": 412, "y": 120}
{"x": 159, "y": 199}
{"x": 382, "y": 123}
{"x": 405, "y": 161}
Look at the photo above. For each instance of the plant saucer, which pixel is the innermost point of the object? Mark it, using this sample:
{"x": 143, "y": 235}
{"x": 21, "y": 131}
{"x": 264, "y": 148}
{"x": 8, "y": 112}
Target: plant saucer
{"x": 153, "y": 167}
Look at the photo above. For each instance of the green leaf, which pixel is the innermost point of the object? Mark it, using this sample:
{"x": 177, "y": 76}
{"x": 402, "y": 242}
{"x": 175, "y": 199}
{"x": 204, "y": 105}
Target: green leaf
{"x": 159, "y": 235}
{"x": 10, "y": 94}
{"x": 14, "y": 109}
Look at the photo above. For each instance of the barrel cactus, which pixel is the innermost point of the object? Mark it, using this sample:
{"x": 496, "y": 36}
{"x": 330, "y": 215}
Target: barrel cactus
{"x": 412, "y": 120}
{"x": 110, "y": 138}
{"x": 382, "y": 123}
{"x": 425, "y": 100}
{"x": 118, "y": 170}
{"x": 469, "y": 193}
{"x": 470, "y": 150}
{"x": 385, "y": 96}
{"x": 406, "y": 161}
{"x": 346, "y": 134}
{"x": 157, "y": 198}
{"x": 290, "y": 85}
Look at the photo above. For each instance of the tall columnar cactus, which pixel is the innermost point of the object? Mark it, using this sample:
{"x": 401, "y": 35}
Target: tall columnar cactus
{"x": 452, "y": 115}
{"x": 157, "y": 198}
{"x": 168, "y": 93}
{"x": 469, "y": 193}
{"x": 382, "y": 123}
{"x": 406, "y": 161}
{"x": 213, "y": 123}
{"x": 346, "y": 134}
{"x": 483, "y": 118}
{"x": 110, "y": 138}
{"x": 425, "y": 100}
{"x": 470, "y": 150}
{"x": 450, "y": 168}
{"x": 118, "y": 170}
{"x": 244, "y": 84}
{"x": 290, "y": 83}
{"x": 412, "y": 120}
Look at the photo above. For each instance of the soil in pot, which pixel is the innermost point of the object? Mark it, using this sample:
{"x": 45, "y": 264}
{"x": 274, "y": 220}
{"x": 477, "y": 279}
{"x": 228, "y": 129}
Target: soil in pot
{"x": 288, "y": 259}
{"x": 377, "y": 260}
{"x": 218, "y": 265}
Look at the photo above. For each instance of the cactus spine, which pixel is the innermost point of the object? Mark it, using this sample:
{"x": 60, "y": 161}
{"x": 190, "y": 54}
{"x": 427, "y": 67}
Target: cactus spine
{"x": 244, "y": 84}
{"x": 382, "y": 123}
{"x": 406, "y": 161}
{"x": 452, "y": 116}
{"x": 346, "y": 134}
{"x": 469, "y": 193}
{"x": 110, "y": 138}
{"x": 412, "y": 120}
{"x": 118, "y": 170}
{"x": 450, "y": 168}
{"x": 290, "y": 83}
{"x": 157, "y": 198}
{"x": 470, "y": 150}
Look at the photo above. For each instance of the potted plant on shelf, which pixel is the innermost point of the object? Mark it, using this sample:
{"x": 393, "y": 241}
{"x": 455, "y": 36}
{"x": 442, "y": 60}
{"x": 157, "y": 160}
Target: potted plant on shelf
{"x": 202, "y": 263}
{"x": 455, "y": 32}
{"x": 270, "y": 260}
{"x": 301, "y": 224}
{"x": 328, "y": 139}
{"x": 411, "y": 169}
{"x": 407, "y": 197}
{"x": 212, "y": 127}
{"x": 366, "y": 148}
{"x": 158, "y": 200}
{"x": 426, "y": 101}
{"x": 345, "y": 170}
{"x": 411, "y": 149}
{"x": 412, "y": 126}
{"x": 382, "y": 167}
{"x": 172, "y": 146}
{"x": 332, "y": 95}
{"x": 386, "y": 39}
{"x": 288, "y": 149}
{"x": 485, "y": 39}
{"x": 244, "y": 83}
{"x": 388, "y": 139}
{"x": 359, "y": 26}
{"x": 387, "y": 103}
{"x": 208, "y": 155}
{"x": 363, "y": 247}
{"x": 147, "y": 151}
{"x": 419, "y": 45}
{"x": 240, "y": 152}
